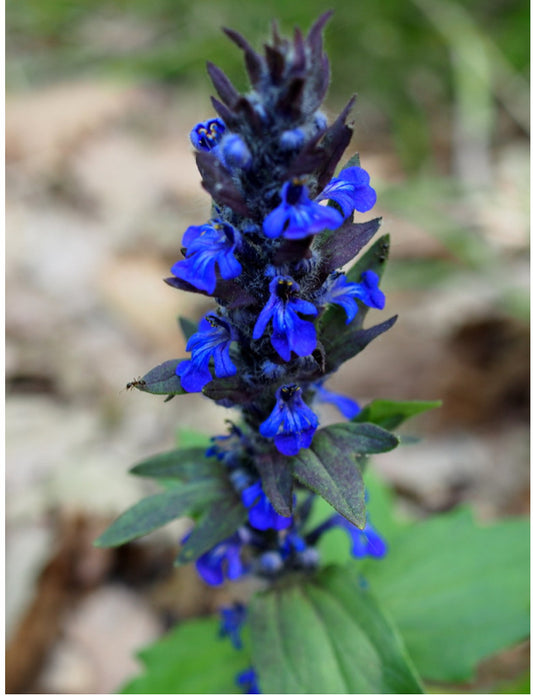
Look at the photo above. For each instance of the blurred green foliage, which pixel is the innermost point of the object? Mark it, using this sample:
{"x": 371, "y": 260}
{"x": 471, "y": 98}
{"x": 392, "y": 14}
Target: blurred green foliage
{"x": 392, "y": 52}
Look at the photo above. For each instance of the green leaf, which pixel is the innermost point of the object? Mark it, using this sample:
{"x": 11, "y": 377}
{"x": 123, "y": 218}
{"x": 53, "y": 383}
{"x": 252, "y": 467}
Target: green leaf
{"x": 190, "y": 659}
{"x": 220, "y": 520}
{"x": 162, "y": 380}
{"x": 276, "y": 478}
{"x": 328, "y": 467}
{"x": 349, "y": 340}
{"x": 354, "y": 161}
{"x": 182, "y": 464}
{"x": 188, "y": 327}
{"x": 157, "y": 510}
{"x": 458, "y": 592}
{"x": 232, "y": 388}
{"x": 391, "y": 414}
{"x": 327, "y": 636}
{"x": 192, "y": 438}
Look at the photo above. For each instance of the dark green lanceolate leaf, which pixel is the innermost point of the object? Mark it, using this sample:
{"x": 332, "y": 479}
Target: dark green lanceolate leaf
{"x": 391, "y": 414}
{"x": 220, "y": 520}
{"x": 188, "y": 327}
{"x": 338, "y": 247}
{"x": 231, "y": 389}
{"x": 327, "y": 636}
{"x": 162, "y": 380}
{"x": 157, "y": 510}
{"x": 350, "y": 341}
{"x": 276, "y": 478}
{"x": 190, "y": 659}
{"x": 328, "y": 467}
{"x": 458, "y": 592}
{"x": 181, "y": 464}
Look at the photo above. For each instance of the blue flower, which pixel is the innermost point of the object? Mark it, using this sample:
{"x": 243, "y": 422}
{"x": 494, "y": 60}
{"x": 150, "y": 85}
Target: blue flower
{"x": 297, "y": 216}
{"x": 207, "y": 134}
{"x": 207, "y": 246}
{"x": 348, "y": 407}
{"x": 234, "y": 152}
{"x": 365, "y": 542}
{"x": 231, "y": 622}
{"x": 290, "y": 332}
{"x": 248, "y": 680}
{"x": 261, "y": 514}
{"x": 340, "y": 291}
{"x": 292, "y": 423}
{"x": 222, "y": 561}
{"x": 351, "y": 190}
{"x": 212, "y": 340}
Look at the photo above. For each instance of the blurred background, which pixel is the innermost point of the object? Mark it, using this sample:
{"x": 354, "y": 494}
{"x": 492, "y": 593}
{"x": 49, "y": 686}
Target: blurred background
{"x": 100, "y": 186}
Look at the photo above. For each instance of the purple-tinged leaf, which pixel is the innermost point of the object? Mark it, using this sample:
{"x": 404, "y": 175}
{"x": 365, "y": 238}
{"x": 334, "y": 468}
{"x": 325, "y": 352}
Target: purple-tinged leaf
{"x": 291, "y": 250}
{"x": 227, "y": 115}
{"x": 218, "y": 182}
{"x": 222, "y": 83}
{"x": 291, "y": 98}
{"x": 338, "y": 247}
{"x": 276, "y": 63}
{"x": 336, "y": 140}
{"x": 255, "y": 64}
{"x": 276, "y": 478}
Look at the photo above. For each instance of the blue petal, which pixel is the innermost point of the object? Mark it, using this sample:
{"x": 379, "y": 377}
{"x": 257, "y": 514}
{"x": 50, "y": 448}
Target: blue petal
{"x": 348, "y": 407}
{"x": 193, "y": 378}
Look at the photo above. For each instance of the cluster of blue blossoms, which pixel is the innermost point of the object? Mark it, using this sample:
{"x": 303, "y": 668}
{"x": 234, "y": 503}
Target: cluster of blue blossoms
{"x": 281, "y": 228}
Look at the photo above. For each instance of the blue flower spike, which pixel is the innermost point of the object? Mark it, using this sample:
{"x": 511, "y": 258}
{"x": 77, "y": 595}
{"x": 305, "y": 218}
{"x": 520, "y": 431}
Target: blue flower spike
{"x": 292, "y": 423}
{"x": 351, "y": 190}
{"x": 209, "y": 246}
{"x": 262, "y": 160}
{"x": 297, "y": 216}
{"x": 212, "y": 340}
{"x": 207, "y": 134}
{"x": 290, "y": 333}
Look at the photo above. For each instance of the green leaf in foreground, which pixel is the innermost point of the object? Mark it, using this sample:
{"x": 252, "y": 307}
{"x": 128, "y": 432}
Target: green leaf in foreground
{"x": 157, "y": 510}
{"x": 190, "y": 659}
{"x": 181, "y": 464}
{"x": 329, "y": 468}
{"x": 220, "y": 520}
{"x": 327, "y": 636}
{"x": 162, "y": 380}
{"x": 391, "y": 414}
{"x": 458, "y": 592}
